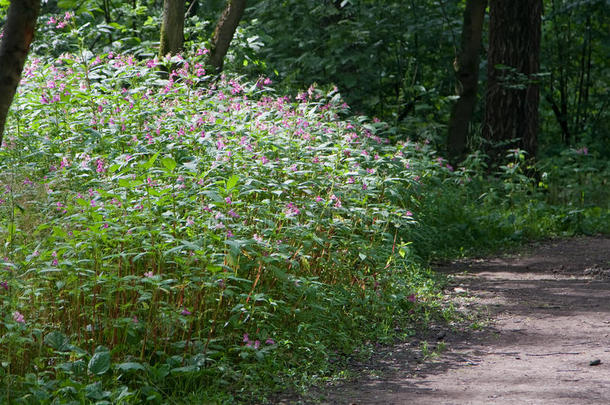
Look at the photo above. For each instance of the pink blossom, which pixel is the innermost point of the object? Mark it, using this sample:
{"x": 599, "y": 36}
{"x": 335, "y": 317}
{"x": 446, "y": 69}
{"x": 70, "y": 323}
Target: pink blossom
{"x": 18, "y": 317}
{"x": 100, "y": 166}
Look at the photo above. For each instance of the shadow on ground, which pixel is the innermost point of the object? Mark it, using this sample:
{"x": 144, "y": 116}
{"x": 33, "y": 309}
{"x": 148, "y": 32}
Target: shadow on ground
{"x": 548, "y": 321}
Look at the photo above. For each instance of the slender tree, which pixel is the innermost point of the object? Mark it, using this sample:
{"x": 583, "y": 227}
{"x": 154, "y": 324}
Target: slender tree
{"x": 511, "y": 107}
{"x": 17, "y": 37}
{"x": 467, "y": 76}
{"x": 225, "y": 29}
{"x": 172, "y": 27}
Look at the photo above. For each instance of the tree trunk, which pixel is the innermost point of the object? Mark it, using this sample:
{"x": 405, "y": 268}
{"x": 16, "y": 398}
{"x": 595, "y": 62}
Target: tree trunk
{"x": 511, "y": 113}
{"x": 467, "y": 76}
{"x": 225, "y": 29}
{"x": 172, "y": 28}
{"x": 17, "y": 37}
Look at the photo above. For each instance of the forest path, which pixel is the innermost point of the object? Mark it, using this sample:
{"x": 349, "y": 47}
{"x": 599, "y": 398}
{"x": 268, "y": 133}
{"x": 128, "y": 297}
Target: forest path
{"x": 549, "y": 312}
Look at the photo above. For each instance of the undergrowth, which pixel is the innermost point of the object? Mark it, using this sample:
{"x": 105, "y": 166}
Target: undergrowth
{"x": 185, "y": 238}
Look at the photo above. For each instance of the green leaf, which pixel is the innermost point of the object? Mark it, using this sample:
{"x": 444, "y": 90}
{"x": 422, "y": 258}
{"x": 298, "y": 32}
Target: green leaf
{"x": 100, "y": 362}
{"x": 169, "y": 163}
{"x": 150, "y": 162}
{"x": 185, "y": 369}
{"x": 57, "y": 341}
{"x": 82, "y": 202}
{"x": 232, "y": 182}
{"x": 130, "y": 366}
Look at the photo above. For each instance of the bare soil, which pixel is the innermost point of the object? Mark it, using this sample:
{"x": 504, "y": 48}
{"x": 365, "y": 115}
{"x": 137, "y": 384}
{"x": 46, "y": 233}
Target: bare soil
{"x": 543, "y": 336}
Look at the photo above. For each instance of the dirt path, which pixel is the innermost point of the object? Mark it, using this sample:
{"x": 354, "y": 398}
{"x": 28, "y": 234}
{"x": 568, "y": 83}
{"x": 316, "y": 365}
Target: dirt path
{"x": 550, "y": 326}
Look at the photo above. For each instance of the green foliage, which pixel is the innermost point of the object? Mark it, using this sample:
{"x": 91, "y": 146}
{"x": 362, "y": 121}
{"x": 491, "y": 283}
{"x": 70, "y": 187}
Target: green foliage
{"x": 376, "y": 52}
{"x": 178, "y": 234}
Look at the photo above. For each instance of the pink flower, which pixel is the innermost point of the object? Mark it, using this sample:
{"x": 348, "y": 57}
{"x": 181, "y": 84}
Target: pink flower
{"x": 100, "y": 166}
{"x": 185, "y": 312}
{"x": 148, "y": 274}
{"x": 409, "y": 213}
{"x": 18, "y": 317}
{"x": 270, "y": 341}
{"x": 411, "y": 298}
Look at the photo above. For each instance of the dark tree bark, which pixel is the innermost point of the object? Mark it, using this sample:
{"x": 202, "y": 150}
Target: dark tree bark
{"x": 467, "y": 76}
{"x": 17, "y": 37}
{"x": 172, "y": 28}
{"x": 511, "y": 108}
{"x": 223, "y": 34}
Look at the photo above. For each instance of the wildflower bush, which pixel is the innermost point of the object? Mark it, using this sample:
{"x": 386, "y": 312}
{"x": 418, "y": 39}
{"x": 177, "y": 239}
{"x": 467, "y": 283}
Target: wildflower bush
{"x": 183, "y": 232}
{"x": 171, "y": 236}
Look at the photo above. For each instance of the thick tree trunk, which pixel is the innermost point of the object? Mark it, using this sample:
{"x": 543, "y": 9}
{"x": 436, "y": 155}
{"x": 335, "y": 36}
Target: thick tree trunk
{"x": 511, "y": 113}
{"x": 17, "y": 37}
{"x": 467, "y": 76}
{"x": 225, "y": 29}
{"x": 172, "y": 28}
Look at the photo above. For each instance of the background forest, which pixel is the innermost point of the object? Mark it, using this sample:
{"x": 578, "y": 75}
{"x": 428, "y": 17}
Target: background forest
{"x": 181, "y": 225}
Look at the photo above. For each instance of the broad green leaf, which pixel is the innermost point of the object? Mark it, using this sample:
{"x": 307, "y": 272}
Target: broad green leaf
{"x": 57, "y": 341}
{"x": 232, "y": 182}
{"x": 169, "y": 163}
{"x": 130, "y": 366}
{"x": 99, "y": 363}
